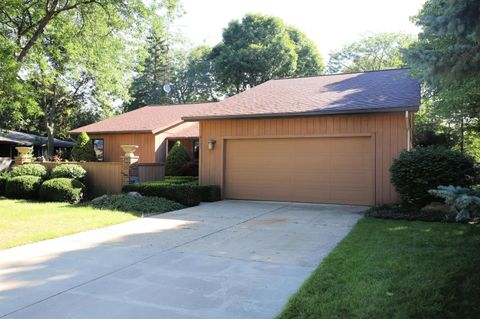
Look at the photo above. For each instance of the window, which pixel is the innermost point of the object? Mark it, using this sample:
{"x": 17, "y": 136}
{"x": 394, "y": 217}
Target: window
{"x": 196, "y": 149}
{"x": 98, "y": 147}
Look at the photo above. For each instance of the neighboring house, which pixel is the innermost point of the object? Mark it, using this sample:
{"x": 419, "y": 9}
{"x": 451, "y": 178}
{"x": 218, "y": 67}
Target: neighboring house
{"x": 154, "y": 128}
{"x": 11, "y": 139}
{"x": 324, "y": 139}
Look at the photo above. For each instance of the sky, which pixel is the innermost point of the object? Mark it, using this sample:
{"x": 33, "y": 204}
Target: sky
{"x": 330, "y": 24}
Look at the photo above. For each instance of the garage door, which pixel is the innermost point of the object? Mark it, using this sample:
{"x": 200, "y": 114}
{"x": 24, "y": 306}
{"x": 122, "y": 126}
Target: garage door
{"x": 335, "y": 170}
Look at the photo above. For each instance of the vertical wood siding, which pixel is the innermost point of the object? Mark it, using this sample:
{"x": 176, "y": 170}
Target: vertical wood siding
{"x": 102, "y": 177}
{"x": 113, "y": 151}
{"x": 151, "y": 172}
{"x": 388, "y": 129}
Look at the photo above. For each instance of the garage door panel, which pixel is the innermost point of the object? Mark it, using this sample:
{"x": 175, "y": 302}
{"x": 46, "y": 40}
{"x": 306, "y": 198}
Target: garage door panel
{"x": 321, "y": 170}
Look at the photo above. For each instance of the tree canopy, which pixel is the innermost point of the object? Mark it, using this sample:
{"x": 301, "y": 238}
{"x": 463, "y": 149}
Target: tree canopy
{"x": 65, "y": 59}
{"x": 376, "y": 51}
{"x": 446, "y": 58}
{"x": 259, "y": 48}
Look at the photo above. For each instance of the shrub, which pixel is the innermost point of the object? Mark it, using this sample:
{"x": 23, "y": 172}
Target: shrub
{"x": 210, "y": 193}
{"x": 74, "y": 171}
{"x": 476, "y": 190}
{"x": 177, "y": 160}
{"x": 83, "y": 149}
{"x": 23, "y": 187}
{"x": 415, "y": 172}
{"x": 177, "y": 180}
{"x": 30, "y": 170}
{"x": 188, "y": 195}
{"x": 407, "y": 213}
{"x": 461, "y": 200}
{"x": 143, "y": 205}
{"x": 62, "y": 190}
{"x": 3, "y": 182}
{"x": 190, "y": 169}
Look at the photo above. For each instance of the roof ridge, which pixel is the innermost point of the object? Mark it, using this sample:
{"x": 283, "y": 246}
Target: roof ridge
{"x": 334, "y": 74}
{"x": 183, "y": 104}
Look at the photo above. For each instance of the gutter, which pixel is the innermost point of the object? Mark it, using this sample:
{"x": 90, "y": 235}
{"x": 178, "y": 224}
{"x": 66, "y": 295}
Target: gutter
{"x": 298, "y": 114}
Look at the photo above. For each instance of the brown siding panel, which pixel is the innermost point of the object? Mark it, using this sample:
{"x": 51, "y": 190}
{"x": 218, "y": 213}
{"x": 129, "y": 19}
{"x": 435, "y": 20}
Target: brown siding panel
{"x": 388, "y": 129}
{"x": 113, "y": 151}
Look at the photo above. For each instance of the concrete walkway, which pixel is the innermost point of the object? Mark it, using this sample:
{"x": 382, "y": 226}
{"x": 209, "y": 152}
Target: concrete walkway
{"x": 230, "y": 259}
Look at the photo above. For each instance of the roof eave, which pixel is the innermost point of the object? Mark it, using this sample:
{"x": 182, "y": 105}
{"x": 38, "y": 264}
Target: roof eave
{"x": 74, "y": 132}
{"x": 297, "y": 114}
{"x": 154, "y": 131}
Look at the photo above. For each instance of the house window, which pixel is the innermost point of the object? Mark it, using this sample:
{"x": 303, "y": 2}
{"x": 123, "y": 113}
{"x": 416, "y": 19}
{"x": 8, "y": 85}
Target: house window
{"x": 196, "y": 149}
{"x": 98, "y": 146}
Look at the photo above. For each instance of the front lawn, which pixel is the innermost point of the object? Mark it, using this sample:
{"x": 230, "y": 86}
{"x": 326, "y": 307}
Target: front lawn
{"x": 396, "y": 269}
{"x": 23, "y": 222}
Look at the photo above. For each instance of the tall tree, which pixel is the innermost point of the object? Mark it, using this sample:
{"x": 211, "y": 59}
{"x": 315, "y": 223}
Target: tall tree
{"x": 156, "y": 70}
{"x": 309, "y": 60}
{"x": 259, "y": 48}
{"x": 446, "y": 58}
{"x": 195, "y": 79}
{"x": 377, "y": 51}
{"x": 68, "y": 55}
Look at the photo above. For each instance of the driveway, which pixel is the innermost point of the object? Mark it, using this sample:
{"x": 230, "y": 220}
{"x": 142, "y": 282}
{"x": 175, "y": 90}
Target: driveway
{"x": 230, "y": 259}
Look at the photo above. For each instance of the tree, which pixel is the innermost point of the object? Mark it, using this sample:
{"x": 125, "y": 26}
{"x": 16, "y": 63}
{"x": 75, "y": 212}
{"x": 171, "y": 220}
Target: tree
{"x": 176, "y": 160}
{"x": 259, "y": 48}
{"x": 377, "y": 51}
{"x": 65, "y": 55}
{"x": 83, "y": 149}
{"x": 309, "y": 60}
{"x": 446, "y": 58}
{"x": 155, "y": 71}
{"x": 195, "y": 81}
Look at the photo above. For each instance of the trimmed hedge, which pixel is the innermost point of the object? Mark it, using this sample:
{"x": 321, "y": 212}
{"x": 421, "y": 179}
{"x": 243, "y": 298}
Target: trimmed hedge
{"x": 3, "y": 183}
{"x": 142, "y": 205}
{"x": 62, "y": 190}
{"x": 416, "y": 172}
{"x": 23, "y": 187}
{"x": 177, "y": 180}
{"x": 30, "y": 170}
{"x": 74, "y": 171}
{"x": 188, "y": 195}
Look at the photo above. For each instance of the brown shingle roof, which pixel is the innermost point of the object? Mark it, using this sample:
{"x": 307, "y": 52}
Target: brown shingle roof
{"x": 375, "y": 91}
{"x": 186, "y": 130}
{"x": 148, "y": 119}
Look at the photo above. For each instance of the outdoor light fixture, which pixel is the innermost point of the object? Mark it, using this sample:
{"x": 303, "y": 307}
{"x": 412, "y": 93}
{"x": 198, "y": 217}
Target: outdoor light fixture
{"x": 211, "y": 144}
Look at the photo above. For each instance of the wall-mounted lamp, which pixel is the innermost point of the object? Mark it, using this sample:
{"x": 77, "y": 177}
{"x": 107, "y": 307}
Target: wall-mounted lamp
{"x": 211, "y": 144}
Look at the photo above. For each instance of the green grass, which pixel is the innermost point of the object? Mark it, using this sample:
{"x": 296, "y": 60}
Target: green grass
{"x": 23, "y": 222}
{"x": 396, "y": 269}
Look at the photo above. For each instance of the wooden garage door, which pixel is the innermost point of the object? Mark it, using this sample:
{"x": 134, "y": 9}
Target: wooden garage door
{"x": 335, "y": 170}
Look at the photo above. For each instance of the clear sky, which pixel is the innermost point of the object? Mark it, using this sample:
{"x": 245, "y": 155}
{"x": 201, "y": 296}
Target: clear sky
{"x": 329, "y": 23}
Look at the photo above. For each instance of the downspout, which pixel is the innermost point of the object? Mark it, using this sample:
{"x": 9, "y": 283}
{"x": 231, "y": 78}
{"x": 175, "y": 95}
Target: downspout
{"x": 409, "y": 130}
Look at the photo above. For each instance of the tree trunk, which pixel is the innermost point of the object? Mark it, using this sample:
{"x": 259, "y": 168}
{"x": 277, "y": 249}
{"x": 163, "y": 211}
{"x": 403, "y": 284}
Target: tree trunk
{"x": 50, "y": 123}
{"x": 51, "y": 135}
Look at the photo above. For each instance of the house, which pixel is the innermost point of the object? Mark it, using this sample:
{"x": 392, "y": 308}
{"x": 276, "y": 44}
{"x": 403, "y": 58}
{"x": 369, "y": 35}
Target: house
{"x": 11, "y": 139}
{"x": 154, "y": 128}
{"x": 324, "y": 139}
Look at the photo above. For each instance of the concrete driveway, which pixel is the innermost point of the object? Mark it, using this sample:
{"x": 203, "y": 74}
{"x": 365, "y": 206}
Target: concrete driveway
{"x": 230, "y": 259}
